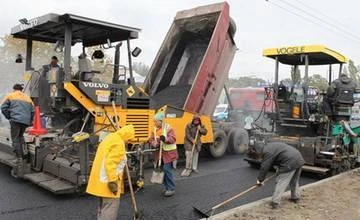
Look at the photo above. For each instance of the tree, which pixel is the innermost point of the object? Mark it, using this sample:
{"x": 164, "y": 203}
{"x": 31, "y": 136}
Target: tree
{"x": 41, "y": 52}
{"x": 287, "y": 81}
{"x": 353, "y": 71}
{"x": 295, "y": 76}
{"x": 11, "y": 72}
{"x": 245, "y": 81}
{"x": 318, "y": 81}
{"x": 141, "y": 68}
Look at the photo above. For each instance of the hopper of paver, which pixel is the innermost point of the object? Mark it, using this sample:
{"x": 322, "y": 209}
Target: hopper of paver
{"x": 192, "y": 64}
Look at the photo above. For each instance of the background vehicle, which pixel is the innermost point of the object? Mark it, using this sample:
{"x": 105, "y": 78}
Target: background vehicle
{"x": 221, "y": 112}
{"x": 327, "y": 144}
{"x": 189, "y": 72}
{"x": 253, "y": 102}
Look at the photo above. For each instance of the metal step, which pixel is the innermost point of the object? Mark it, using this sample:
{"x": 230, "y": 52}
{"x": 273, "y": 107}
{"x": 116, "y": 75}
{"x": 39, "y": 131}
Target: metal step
{"x": 294, "y": 119}
{"x": 293, "y": 125}
{"x": 51, "y": 183}
{"x": 320, "y": 170}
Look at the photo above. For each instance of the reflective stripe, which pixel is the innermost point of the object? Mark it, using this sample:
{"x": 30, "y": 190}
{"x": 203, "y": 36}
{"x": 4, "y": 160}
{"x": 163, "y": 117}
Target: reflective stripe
{"x": 103, "y": 175}
{"x": 167, "y": 147}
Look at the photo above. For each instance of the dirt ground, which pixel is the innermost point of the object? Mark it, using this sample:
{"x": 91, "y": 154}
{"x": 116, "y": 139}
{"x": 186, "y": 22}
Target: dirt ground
{"x": 337, "y": 199}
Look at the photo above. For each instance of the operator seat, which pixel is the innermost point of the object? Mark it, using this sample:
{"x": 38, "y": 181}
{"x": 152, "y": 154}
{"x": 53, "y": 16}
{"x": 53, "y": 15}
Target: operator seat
{"x": 85, "y": 68}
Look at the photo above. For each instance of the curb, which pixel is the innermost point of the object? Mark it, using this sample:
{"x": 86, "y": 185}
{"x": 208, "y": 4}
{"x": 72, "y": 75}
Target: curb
{"x": 231, "y": 212}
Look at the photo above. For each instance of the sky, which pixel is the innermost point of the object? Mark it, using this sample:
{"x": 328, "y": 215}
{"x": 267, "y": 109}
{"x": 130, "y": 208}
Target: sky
{"x": 260, "y": 24}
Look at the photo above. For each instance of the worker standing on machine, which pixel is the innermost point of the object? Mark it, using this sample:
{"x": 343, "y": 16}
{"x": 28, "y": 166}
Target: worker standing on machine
{"x": 289, "y": 162}
{"x": 192, "y": 144}
{"x": 19, "y": 110}
{"x": 339, "y": 93}
{"x": 106, "y": 176}
{"x": 164, "y": 136}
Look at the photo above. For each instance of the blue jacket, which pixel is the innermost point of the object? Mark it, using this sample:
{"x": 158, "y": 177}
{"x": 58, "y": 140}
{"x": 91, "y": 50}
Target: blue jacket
{"x": 18, "y": 107}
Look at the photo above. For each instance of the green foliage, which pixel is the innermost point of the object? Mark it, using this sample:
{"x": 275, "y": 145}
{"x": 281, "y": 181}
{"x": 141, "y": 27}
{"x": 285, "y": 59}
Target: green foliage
{"x": 318, "y": 81}
{"x": 11, "y": 72}
{"x": 41, "y": 52}
{"x": 353, "y": 71}
{"x": 287, "y": 81}
{"x": 244, "y": 82}
{"x": 141, "y": 68}
{"x": 295, "y": 75}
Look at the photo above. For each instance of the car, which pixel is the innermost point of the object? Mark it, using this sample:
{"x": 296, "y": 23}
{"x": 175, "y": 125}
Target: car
{"x": 221, "y": 112}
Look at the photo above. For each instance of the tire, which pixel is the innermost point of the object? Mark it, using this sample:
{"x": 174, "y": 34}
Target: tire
{"x": 238, "y": 141}
{"x": 218, "y": 147}
{"x": 232, "y": 28}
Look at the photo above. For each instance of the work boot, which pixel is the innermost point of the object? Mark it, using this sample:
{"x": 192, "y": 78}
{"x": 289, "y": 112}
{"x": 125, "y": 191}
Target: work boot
{"x": 195, "y": 171}
{"x": 169, "y": 193}
{"x": 14, "y": 173}
{"x": 163, "y": 191}
{"x": 296, "y": 200}
{"x": 274, "y": 205}
{"x": 185, "y": 173}
{"x": 18, "y": 164}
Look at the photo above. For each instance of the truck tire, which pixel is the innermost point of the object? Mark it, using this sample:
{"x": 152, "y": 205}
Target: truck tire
{"x": 218, "y": 148}
{"x": 238, "y": 141}
{"x": 232, "y": 28}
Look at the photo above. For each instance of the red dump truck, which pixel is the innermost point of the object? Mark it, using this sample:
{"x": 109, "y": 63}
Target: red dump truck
{"x": 254, "y": 102}
{"x": 189, "y": 72}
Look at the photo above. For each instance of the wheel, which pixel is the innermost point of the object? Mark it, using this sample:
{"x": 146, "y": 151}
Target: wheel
{"x": 218, "y": 148}
{"x": 232, "y": 27}
{"x": 238, "y": 141}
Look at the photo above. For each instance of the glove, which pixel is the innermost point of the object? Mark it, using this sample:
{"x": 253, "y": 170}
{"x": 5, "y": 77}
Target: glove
{"x": 162, "y": 138}
{"x": 113, "y": 187}
{"x": 259, "y": 183}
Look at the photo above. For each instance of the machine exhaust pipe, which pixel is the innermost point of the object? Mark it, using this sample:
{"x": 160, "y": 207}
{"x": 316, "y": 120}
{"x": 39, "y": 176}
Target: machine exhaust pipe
{"x": 116, "y": 63}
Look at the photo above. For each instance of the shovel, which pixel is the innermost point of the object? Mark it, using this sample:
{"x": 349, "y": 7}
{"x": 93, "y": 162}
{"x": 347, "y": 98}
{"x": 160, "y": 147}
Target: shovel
{"x": 209, "y": 213}
{"x": 158, "y": 175}
{"x": 186, "y": 172}
{"x": 137, "y": 215}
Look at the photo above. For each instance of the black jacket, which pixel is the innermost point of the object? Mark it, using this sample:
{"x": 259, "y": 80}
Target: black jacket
{"x": 286, "y": 157}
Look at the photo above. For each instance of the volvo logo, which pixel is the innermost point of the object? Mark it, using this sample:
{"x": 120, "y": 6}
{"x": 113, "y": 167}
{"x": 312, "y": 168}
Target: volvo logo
{"x": 96, "y": 85}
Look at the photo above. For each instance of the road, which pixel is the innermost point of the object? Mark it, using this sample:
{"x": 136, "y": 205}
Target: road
{"x": 217, "y": 180}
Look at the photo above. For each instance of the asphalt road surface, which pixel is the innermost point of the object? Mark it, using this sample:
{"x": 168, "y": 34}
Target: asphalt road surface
{"x": 217, "y": 181}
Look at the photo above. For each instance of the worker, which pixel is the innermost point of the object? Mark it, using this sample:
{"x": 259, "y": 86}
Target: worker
{"x": 164, "y": 136}
{"x": 193, "y": 132}
{"x": 339, "y": 93}
{"x": 289, "y": 162}
{"x": 19, "y": 110}
{"x": 54, "y": 62}
{"x": 50, "y": 71}
{"x": 34, "y": 87}
{"x": 282, "y": 91}
{"x": 106, "y": 176}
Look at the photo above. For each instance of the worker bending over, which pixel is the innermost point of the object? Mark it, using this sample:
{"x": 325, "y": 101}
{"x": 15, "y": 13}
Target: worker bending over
{"x": 289, "y": 162}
